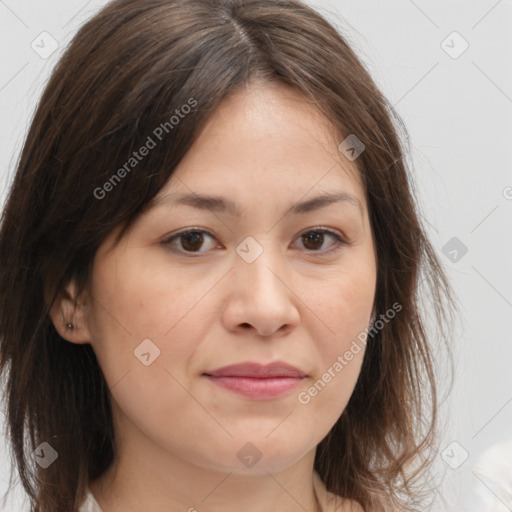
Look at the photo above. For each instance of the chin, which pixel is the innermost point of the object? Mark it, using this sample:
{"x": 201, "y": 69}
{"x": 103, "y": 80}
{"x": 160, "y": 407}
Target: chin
{"x": 261, "y": 455}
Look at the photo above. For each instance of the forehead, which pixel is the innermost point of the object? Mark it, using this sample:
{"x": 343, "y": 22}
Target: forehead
{"x": 264, "y": 142}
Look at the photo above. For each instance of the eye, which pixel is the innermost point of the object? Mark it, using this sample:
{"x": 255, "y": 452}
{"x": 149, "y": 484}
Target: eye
{"x": 316, "y": 237}
{"x": 191, "y": 240}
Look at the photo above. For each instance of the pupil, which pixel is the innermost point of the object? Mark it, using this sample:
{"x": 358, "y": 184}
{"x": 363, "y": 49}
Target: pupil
{"x": 195, "y": 237}
{"x": 314, "y": 237}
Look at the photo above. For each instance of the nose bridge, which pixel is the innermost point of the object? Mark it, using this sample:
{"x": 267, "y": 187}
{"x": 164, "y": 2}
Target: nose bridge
{"x": 258, "y": 263}
{"x": 264, "y": 301}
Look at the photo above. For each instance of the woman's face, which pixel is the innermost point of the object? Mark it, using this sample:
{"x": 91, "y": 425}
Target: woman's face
{"x": 260, "y": 285}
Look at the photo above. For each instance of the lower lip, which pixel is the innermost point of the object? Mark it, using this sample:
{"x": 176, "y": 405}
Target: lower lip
{"x": 257, "y": 388}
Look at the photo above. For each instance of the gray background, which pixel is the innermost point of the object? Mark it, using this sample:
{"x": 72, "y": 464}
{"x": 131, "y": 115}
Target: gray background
{"x": 458, "y": 111}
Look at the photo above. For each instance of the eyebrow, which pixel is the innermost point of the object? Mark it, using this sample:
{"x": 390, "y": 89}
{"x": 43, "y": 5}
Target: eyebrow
{"x": 222, "y": 205}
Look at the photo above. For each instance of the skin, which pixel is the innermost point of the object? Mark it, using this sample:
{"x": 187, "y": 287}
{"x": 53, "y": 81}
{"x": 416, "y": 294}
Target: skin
{"x": 177, "y": 433}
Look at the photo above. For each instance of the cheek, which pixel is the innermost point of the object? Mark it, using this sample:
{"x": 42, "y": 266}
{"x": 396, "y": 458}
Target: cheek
{"x": 126, "y": 313}
{"x": 145, "y": 325}
{"x": 328, "y": 393}
{"x": 144, "y": 339}
{"x": 135, "y": 298}
{"x": 341, "y": 305}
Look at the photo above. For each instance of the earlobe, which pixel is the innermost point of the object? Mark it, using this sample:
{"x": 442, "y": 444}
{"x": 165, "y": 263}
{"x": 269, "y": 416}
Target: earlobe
{"x": 69, "y": 316}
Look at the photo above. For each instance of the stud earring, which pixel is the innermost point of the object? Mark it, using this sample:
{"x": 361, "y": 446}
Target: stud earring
{"x": 69, "y": 326}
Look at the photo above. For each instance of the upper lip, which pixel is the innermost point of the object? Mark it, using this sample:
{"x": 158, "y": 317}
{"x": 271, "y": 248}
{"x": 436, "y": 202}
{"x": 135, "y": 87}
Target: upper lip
{"x": 253, "y": 369}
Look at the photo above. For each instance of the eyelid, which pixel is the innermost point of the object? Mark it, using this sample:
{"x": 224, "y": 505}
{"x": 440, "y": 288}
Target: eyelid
{"x": 341, "y": 240}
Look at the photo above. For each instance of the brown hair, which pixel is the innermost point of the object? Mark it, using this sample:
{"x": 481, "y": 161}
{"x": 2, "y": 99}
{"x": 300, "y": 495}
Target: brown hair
{"x": 125, "y": 72}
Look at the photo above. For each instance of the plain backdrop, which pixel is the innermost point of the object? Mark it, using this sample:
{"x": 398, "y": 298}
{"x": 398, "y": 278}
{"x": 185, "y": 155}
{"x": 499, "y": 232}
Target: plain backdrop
{"x": 445, "y": 66}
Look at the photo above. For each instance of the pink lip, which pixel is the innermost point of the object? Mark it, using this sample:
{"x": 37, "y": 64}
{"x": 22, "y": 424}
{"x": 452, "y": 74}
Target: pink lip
{"x": 276, "y": 369}
{"x": 257, "y": 381}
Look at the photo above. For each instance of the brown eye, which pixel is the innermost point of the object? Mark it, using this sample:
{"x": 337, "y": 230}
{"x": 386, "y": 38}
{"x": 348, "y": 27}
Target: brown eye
{"x": 190, "y": 241}
{"x": 313, "y": 240}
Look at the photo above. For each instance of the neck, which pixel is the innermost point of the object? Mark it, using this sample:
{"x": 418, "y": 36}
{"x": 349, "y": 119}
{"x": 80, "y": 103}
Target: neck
{"x": 146, "y": 477}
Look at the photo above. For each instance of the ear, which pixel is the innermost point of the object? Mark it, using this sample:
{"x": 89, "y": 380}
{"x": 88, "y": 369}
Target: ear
{"x": 68, "y": 309}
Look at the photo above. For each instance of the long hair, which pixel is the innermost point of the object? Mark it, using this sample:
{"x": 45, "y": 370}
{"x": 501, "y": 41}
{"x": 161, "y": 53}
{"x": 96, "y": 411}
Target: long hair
{"x": 125, "y": 73}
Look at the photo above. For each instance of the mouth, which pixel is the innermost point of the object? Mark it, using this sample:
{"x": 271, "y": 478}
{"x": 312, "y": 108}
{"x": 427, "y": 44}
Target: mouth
{"x": 257, "y": 381}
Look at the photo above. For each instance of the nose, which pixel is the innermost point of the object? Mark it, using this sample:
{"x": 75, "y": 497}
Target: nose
{"x": 261, "y": 296}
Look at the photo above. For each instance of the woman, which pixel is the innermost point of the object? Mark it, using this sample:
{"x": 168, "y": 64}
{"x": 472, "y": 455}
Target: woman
{"x": 213, "y": 237}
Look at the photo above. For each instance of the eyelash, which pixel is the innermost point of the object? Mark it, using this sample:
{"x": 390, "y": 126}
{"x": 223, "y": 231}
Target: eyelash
{"x": 340, "y": 242}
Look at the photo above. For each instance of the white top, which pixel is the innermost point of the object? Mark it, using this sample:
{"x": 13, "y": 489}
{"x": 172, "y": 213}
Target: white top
{"x": 90, "y": 504}
{"x": 329, "y": 502}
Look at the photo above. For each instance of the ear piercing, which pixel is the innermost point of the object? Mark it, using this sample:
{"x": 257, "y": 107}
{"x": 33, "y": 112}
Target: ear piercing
{"x": 69, "y": 326}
